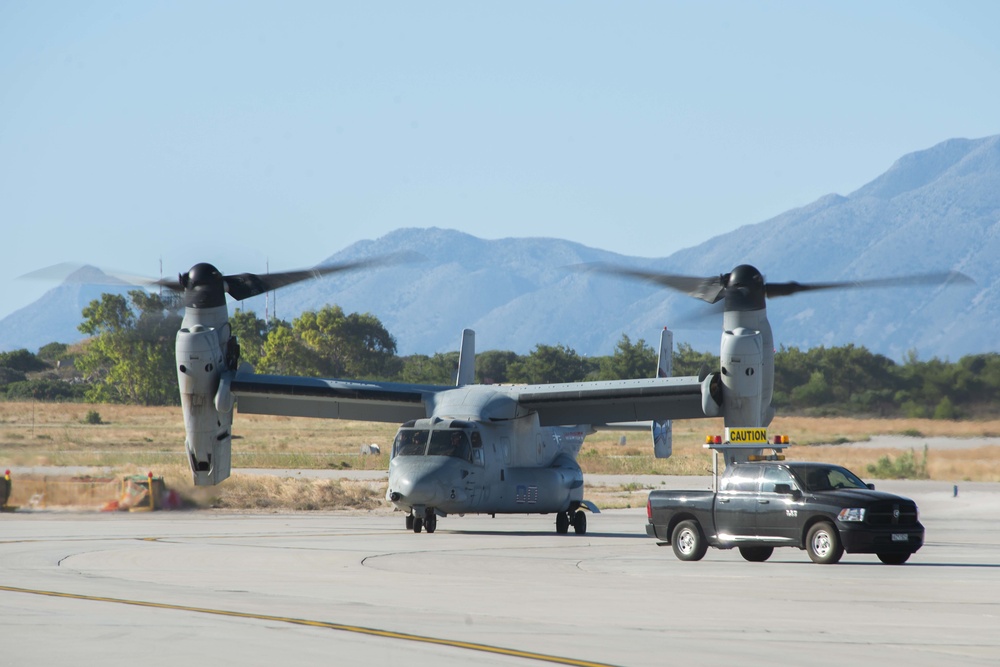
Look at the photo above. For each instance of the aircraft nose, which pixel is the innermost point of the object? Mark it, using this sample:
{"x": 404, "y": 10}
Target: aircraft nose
{"x": 420, "y": 481}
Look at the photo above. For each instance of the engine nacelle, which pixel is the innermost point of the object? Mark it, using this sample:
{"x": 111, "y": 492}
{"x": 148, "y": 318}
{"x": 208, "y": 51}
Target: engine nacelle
{"x": 206, "y": 401}
{"x": 742, "y": 374}
{"x": 711, "y": 395}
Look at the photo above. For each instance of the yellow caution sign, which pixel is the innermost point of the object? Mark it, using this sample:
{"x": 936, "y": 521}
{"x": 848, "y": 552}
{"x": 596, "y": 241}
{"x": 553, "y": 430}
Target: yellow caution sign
{"x": 746, "y": 436}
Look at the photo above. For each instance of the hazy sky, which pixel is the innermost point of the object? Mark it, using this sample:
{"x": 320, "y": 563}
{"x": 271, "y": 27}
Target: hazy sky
{"x": 241, "y": 132}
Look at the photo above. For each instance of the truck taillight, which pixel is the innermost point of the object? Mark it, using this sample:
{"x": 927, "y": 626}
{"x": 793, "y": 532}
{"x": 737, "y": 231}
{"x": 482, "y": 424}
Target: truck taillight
{"x": 649, "y": 510}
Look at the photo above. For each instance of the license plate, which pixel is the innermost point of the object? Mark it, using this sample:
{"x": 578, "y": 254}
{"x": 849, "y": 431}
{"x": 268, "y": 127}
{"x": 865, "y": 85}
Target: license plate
{"x": 900, "y": 537}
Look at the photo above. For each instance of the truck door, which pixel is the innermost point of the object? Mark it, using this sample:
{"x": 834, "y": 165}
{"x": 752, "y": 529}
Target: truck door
{"x": 736, "y": 504}
{"x": 777, "y": 514}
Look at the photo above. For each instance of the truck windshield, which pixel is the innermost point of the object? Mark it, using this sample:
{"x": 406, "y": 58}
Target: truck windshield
{"x": 827, "y": 478}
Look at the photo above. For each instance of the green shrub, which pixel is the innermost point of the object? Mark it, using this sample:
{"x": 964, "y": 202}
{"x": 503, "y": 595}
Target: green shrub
{"x": 945, "y": 409}
{"x": 905, "y": 466}
{"x": 93, "y": 417}
{"x": 44, "y": 390}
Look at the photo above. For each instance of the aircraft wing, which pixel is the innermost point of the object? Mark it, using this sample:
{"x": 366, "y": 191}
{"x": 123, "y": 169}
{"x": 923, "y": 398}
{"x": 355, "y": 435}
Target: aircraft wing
{"x": 608, "y": 402}
{"x": 332, "y": 399}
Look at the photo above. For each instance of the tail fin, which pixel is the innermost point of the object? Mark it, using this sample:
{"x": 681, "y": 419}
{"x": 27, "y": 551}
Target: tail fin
{"x": 663, "y": 432}
{"x": 467, "y": 359}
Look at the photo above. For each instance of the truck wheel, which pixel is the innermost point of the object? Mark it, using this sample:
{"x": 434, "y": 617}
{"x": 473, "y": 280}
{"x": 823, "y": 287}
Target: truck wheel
{"x": 756, "y": 554}
{"x": 688, "y": 542}
{"x": 893, "y": 558}
{"x": 823, "y": 544}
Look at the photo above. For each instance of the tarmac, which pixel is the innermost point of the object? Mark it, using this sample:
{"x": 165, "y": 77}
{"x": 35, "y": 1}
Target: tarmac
{"x": 354, "y": 588}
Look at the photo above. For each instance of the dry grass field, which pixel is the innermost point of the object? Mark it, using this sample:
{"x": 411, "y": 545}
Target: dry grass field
{"x": 135, "y": 439}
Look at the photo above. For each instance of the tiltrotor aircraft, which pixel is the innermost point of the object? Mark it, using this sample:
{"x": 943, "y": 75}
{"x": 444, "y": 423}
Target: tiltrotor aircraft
{"x": 478, "y": 448}
{"x": 485, "y": 449}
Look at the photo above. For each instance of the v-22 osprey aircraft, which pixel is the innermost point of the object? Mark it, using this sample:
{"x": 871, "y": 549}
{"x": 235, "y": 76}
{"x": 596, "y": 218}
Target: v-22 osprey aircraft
{"x": 484, "y": 448}
{"x": 468, "y": 448}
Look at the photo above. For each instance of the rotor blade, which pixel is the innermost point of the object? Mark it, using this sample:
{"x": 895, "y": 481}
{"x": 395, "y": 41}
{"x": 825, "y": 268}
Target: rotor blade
{"x": 706, "y": 289}
{"x": 245, "y": 285}
{"x": 942, "y": 278}
{"x": 701, "y": 318}
{"x": 75, "y": 272}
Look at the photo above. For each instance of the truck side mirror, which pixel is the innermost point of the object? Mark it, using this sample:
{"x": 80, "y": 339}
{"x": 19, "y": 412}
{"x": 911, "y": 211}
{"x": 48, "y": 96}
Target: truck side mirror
{"x": 870, "y": 486}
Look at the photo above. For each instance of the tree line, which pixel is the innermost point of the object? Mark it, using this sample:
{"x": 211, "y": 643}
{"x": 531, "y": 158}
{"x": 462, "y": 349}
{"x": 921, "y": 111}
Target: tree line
{"x": 129, "y": 358}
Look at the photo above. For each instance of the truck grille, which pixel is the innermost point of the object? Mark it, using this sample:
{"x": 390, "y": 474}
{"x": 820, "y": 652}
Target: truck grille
{"x": 892, "y": 513}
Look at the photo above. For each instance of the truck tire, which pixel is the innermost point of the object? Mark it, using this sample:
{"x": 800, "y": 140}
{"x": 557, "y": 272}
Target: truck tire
{"x": 893, "y": 558}
{"x": 823, "y": 544}
{"x": 688, "y": 541}
{"x": 756, "y": 554}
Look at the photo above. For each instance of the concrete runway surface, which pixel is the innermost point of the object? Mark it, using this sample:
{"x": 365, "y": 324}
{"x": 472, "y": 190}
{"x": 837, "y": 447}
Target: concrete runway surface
{"x": 203, "y": 587}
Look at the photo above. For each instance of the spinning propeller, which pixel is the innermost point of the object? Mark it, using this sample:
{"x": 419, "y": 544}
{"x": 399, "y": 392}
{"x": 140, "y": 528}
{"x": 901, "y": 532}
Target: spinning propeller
{"x": 204, "y": 286}
{"x": 745, "y": 288}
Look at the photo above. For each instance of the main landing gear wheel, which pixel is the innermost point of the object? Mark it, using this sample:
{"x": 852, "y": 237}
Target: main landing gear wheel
{"x": 580, "y": 522}
{"x": 430, "y": 521}
{"x": 688, "y": 542}
{"x": 409, "y": 522}
{"x": 418, "y": 524}
{"x": 823, "y": 544}
{"x": 562, "y": 523}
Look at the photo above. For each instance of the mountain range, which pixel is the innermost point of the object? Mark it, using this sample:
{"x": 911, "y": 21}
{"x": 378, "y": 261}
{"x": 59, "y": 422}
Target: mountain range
{"x": 934, "y": 210}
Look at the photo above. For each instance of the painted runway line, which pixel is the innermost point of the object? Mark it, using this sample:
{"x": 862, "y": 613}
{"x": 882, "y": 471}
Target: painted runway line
{"x": 374, "y": 632}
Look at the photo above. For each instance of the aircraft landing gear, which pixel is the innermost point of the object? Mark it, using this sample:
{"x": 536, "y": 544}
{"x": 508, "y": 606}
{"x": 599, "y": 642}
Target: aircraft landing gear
{"x": 577, "y": 519}
{"x": 430, "y": 521}
{"x": 426, "y": 522}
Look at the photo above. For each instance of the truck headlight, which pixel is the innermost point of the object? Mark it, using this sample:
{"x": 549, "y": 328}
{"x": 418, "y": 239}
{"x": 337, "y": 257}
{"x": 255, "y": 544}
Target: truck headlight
{"x": 852, "y": 514}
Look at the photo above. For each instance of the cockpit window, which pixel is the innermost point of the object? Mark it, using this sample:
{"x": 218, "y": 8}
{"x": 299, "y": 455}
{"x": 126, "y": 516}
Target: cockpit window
{"x": 443, "y": 442}
{"x": 410, "y": 442}
{"x": 449, "y": 442}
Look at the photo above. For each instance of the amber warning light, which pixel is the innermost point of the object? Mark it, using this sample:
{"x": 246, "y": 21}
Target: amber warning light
{"x": 747, "y": 436}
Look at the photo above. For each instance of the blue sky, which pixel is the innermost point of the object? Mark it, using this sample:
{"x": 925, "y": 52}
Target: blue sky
{"x": 249, "y": 132}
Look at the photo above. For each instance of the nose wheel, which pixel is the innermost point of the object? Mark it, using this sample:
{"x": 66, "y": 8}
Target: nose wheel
{"x": 426, "y": 522}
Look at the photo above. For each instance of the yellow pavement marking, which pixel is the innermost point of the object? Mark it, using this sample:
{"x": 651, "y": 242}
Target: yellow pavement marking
{"x": 389, "y": 634}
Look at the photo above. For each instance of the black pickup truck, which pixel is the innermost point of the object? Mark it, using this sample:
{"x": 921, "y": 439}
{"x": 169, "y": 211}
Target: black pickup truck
{"x": 824, "y": 509}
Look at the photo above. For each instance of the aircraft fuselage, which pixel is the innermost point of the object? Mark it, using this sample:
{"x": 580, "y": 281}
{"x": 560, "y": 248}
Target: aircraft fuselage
{"x": 454, "y": 466}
